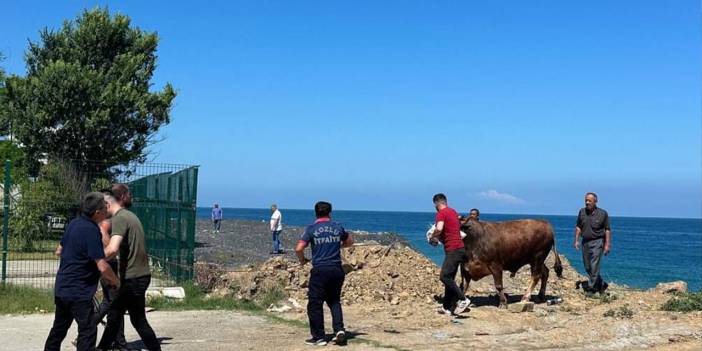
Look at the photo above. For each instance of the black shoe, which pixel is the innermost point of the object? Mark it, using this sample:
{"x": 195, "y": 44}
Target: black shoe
{"x": 121, "y": 346}
{"x": 316, "y": 342}
{"x": 339, "y": 338}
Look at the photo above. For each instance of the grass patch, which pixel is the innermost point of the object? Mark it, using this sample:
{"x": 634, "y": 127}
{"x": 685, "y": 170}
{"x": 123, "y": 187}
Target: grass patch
{"x": 621, "y": 312}
{"x": 33, "y": 256}
{"x": 271, "y": 296}
{"x": 607, "y": 298}
{"x": 684, "y": 302}
{"x": 22, "y": 300}
{"x": 291, "y": 322}
{"x": 195, "y": 300}
{"x": 377, "y": 344}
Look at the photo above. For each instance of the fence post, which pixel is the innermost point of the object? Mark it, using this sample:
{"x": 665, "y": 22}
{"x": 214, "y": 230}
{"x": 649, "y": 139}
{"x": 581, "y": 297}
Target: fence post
{"x": 192, "y": 225}
{"x": 6, "y": 219}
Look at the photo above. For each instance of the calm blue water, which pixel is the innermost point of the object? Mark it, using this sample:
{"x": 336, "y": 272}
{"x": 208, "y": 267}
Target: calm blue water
{"x": 645, "y": 251}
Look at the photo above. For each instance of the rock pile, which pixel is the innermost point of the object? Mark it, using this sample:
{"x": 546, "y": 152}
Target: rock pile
{"x": 393, "y": 275}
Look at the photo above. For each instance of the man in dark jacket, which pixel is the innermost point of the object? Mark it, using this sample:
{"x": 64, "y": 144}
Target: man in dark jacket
{"x": 82, "y": 262}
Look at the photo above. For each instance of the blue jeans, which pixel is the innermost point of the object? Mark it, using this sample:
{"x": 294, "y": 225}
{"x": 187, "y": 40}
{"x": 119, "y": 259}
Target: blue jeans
{"x": 276, "y": 241}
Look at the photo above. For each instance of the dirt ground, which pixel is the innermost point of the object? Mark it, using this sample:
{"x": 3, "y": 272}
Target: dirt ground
{"x": 389, "y": 303}
{"x": 380, "y": 305}
{"x": 179, "y": 331}
{"x": 486, "y": 327}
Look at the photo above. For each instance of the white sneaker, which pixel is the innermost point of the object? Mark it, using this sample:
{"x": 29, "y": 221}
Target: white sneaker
{"x": 462, "y": 306}
{"x": 442, "y": 310}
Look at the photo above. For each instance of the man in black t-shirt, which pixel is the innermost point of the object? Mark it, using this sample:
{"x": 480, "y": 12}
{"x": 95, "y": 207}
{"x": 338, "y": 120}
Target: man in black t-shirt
{"x": 593, "y": 225}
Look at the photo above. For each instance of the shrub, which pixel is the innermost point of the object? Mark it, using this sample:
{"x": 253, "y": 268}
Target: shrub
{"x": 622, "y": 312}
{"x": 684, "y": 302}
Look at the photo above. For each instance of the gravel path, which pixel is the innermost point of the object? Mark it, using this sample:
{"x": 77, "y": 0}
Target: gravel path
{"x": 242, "y": 242}
{"x": 177, "y": 331}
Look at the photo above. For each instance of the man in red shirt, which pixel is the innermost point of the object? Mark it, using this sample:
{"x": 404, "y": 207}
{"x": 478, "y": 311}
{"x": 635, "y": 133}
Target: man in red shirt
{"x": 448, "y": 231}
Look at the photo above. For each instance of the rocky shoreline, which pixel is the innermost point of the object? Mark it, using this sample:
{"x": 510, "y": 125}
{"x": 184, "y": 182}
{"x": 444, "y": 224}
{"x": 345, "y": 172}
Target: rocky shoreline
{"x": 244, "y": 243}
{"x": 391, "y": 290}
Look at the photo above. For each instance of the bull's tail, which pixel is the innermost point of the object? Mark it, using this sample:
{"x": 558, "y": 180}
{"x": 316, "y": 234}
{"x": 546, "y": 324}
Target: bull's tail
{"x": 558, "y": 267}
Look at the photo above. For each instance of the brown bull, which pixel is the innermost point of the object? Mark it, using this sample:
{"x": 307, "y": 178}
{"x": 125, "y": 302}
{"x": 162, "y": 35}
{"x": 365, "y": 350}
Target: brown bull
{"x": 492, "y": 248}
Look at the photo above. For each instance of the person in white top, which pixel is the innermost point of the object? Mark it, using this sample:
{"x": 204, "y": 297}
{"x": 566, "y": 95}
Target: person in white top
{"x": 276, "y": 229}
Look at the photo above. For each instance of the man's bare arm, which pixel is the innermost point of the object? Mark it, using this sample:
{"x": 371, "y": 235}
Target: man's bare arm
{"x": 608, "y": 241}
{"x": 105, "y": 233}
{"x": 437, "y": 230}
{"x": 300, "y": 251}
{"x": 112, "y": 248}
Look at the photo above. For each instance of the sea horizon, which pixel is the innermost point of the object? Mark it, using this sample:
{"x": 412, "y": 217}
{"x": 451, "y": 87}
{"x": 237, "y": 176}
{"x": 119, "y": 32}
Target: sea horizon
{"x": 481, "y": 212}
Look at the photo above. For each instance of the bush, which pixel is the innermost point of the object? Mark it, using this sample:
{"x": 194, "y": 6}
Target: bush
{"x": 56, "y": 192}
{"x": 684, "y": 302}
{"x": 196, "y": 299}
{"x": 621, "y": 312}
{"x": 607, "y": 298}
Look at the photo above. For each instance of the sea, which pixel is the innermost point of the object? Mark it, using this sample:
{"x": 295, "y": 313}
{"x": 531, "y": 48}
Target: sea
{"x": 645, "y": 251}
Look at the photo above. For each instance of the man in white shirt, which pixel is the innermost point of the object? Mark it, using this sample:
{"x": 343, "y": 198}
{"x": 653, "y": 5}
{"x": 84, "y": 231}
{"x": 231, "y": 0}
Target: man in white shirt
{"x": 276, "y": 229}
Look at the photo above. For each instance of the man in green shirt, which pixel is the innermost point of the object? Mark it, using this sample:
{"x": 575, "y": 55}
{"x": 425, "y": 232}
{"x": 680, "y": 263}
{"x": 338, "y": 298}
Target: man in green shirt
{"x": 127, "y": 239}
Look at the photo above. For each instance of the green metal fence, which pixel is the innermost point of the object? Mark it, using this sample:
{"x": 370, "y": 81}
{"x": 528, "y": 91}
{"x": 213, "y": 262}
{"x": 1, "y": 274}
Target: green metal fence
{"x": 165, "y": 203}
{"x": 37, "y": 209}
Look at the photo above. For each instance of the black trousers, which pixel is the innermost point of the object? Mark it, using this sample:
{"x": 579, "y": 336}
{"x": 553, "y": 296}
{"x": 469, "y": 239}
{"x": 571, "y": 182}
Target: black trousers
{"x": 132, "y": 298}
{"x": 108, "y": 295}
{"x": 325, "y": 286}
{"x": 452, "y": 292}
{"x": 66, "y": 311}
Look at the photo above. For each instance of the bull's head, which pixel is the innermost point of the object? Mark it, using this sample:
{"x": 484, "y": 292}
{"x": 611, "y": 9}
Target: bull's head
{"x": 473, "y": 228}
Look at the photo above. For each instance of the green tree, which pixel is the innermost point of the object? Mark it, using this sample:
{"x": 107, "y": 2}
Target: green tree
{"x": 86, "y": 94}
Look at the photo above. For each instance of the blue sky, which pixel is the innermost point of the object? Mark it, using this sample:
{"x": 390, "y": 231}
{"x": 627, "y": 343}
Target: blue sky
{"x": 513, "y": 107}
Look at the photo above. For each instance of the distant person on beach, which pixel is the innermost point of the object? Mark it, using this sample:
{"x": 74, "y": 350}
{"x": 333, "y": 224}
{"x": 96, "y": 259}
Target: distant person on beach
{"x": 276, "y": 229}
{"x": 326, "y": 277}
{"x": 82, "y": 262}
{"x": 448, "y": 231}
{"x": 593, "y": 225}
{"x": 216, "y": 217}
